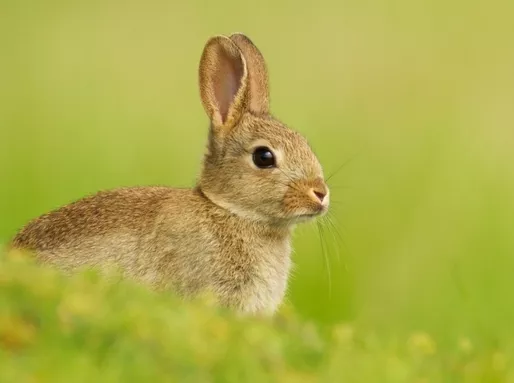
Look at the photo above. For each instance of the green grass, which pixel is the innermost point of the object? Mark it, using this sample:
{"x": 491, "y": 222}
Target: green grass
{"x": 87, "y": 328}
{"x": 417, "y": 95}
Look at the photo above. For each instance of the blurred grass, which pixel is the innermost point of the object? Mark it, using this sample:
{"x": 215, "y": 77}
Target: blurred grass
{"x": 418, "y": 95}
{"x": 84, "y": 328}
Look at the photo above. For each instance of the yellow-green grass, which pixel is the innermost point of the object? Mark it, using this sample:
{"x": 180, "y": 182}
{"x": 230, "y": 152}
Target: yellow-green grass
{"x": 89, "y": 328}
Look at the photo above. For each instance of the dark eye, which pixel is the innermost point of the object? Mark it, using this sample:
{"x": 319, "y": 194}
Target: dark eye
{"x": 263, "y": 157}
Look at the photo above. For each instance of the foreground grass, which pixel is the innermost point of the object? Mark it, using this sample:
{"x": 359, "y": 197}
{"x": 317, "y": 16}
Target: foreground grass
{"x": 87, "y": 328}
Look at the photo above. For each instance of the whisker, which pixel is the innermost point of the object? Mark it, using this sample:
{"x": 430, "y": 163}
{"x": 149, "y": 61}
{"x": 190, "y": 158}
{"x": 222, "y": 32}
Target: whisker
{"x": 325, "y": 257}
{"x": 336, "y": 224}
{"x": 326, "y": 223}
{"x": 294, "y": 184}
{"x": 340, "y": 187}
{"x": 338, "y": 239}
{"x": 330, "y": 219}
{"x": 283, "y": 183}
{"x": 339, "y": 168}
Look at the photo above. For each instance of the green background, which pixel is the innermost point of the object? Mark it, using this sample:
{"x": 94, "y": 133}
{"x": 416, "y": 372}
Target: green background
{"x": 415, "y": 97}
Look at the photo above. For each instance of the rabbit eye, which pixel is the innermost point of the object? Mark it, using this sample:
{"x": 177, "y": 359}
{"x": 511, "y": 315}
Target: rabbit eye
{"x": 263, "y": 158}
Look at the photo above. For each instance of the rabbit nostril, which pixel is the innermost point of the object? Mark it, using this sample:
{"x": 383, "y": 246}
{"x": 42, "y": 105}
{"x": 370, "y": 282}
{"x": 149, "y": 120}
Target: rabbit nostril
{"x": 320, "y": 195}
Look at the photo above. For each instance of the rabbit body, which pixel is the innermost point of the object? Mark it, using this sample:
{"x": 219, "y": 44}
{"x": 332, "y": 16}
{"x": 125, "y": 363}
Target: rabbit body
{"x": 230, "y": 234}
{"x": 169, "y": 239}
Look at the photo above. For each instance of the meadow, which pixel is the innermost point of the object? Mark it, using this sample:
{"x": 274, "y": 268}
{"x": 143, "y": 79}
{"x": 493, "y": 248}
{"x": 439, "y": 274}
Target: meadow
{"x": 409, "y": 106}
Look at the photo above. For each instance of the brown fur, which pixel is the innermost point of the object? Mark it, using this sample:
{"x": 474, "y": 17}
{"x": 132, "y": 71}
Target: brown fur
{"x": 230, "y": 235}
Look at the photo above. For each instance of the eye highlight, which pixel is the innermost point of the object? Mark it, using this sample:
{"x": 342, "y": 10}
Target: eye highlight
{"x": 263, "y": 158}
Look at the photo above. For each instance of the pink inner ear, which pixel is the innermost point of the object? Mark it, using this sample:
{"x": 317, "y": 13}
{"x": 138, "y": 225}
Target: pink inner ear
{"x": 227, "y": 82}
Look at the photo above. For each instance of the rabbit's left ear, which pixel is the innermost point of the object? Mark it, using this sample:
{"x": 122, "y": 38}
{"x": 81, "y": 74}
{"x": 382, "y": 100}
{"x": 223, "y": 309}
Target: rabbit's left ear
{"x": 258, "y": 92}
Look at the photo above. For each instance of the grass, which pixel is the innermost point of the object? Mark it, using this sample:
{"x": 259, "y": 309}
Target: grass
{"x": 88, "y": 328}
{"x": 417, "y": 96}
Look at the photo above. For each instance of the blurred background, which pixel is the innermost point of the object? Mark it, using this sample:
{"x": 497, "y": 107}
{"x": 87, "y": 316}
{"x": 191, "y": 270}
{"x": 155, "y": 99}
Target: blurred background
{"x": 414, "y": 99}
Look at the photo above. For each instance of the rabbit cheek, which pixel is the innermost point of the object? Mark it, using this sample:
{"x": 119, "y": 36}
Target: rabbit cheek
{"x": 293, "y": 203}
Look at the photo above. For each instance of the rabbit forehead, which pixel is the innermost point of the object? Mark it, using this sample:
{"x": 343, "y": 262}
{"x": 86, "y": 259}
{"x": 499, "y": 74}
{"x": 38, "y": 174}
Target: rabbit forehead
{"x": 291, "y": 148}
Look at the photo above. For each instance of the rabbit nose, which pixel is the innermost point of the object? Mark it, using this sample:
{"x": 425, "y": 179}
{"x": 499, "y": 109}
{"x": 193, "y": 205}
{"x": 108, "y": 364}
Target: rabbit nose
{"x": 321, "y": 194}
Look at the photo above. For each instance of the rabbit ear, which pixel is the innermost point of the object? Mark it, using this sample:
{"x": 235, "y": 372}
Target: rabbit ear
{"x": 223, "y": 82}
{"x": 258, "y": 92}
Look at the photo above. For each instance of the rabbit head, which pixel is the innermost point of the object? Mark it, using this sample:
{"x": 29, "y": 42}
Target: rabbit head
{"x": 255, "y": 166}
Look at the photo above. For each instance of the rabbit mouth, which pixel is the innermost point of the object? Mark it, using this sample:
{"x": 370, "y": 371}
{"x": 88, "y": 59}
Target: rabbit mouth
{"x": 304, "y": 218}
{"x": 314, "y": 211}
{"x": 312, "y": 215}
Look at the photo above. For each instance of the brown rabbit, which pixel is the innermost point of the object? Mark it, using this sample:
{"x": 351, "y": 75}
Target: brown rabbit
{"x": 230, "y": 235}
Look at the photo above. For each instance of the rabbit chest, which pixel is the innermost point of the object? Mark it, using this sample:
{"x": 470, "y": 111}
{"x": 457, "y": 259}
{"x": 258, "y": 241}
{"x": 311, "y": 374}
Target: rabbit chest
{"x": 252, "y": 274}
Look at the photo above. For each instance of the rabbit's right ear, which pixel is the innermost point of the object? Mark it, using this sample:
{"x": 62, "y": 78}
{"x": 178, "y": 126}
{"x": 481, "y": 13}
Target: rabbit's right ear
{"x": 258, "y": 90}
{"x": 223, "y": 82}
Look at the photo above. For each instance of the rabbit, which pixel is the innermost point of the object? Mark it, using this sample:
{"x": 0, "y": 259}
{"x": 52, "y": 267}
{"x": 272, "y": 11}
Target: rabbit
{"x": 229, "y": 235}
